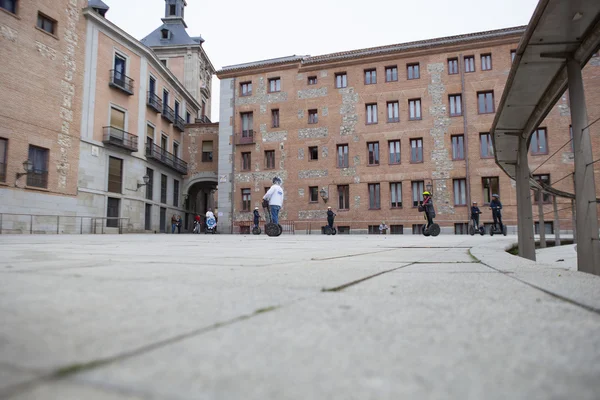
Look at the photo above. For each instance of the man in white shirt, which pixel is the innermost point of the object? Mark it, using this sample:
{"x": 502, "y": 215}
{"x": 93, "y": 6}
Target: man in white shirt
{"x": 275, "y": 198}
{"x": 383, "y": 228}
{"x": 209, "y": 214}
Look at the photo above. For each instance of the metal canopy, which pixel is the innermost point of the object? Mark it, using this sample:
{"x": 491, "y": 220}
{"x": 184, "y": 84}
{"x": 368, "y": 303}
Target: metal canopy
{"x": 538, "y": 77}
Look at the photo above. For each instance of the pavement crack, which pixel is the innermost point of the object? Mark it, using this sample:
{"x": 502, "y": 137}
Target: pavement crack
{"x": 351, "y": 255}
{"x": 346, "y": 285}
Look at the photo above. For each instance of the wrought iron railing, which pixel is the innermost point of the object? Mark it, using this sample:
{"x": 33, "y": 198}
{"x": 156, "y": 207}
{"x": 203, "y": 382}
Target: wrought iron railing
{"x": 121, "y": 81}
{"x": 118, "y": 137}
{"x": 168, "y": 113}
{"x": 203, "y": 120}
{"x": 179, "y": 123}
{"x": 37, "y": 178}
{"x": 245, "y": 137}
{"x": 164, "y": 157}
{"x": 59, "y": 224}
{"x": 154, "y": 102}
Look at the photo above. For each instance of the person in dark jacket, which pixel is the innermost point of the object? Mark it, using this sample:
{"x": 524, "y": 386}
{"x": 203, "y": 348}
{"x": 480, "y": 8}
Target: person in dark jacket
{"x": 475, "y": 211}
{"x": 256, "y": 217}
{"x": 330, "y": 217}
{"x": 496, "y": 207}
{"x": 427, "y": 205}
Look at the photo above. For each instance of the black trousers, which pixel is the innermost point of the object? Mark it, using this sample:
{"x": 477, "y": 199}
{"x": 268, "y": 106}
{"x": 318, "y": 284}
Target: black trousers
{"x": 429, "y": 219}
{"x": 330, "y": 222}
{"x": 476, "y": 219}
{"x": 498, "y": 218}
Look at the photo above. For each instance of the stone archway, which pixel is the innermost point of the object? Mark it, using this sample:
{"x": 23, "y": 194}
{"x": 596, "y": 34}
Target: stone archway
{"x": 200, "y": 195}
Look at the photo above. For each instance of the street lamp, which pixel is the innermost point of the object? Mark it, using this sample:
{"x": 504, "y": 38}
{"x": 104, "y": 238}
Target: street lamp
{"x": 324, "y": 195}
{"x": 27, "y": 166}
{"x": 429, "y": 187}
{"x": 146, "y": 179}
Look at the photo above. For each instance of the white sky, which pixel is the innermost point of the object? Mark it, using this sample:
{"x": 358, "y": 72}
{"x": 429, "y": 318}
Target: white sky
{"x": 239, "y": 31}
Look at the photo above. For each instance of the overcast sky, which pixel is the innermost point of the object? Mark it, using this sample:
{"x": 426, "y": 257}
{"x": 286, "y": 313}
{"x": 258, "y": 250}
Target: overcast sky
{"x": 239, "y": 31}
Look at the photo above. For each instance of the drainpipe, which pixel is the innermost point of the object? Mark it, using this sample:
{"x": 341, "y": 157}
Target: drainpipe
{"x": 465, "y": 130}
{"x": 233, "y": 157}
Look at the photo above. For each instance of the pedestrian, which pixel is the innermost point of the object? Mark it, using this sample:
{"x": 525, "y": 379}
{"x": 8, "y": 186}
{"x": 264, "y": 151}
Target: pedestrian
{"x": 383, "y": 228}
{"x": 178, "y": 224}
{"x": 475, "y": 211}
{"x": 173, "y": 223}
{"x": 426, "y": 206}
{"x": 330, "y": 217}
{"x": 256, "y": 217}
{"x": 496, "y": 207}
{"x": 197, "y": 223}
{"x": 275, "y": 198}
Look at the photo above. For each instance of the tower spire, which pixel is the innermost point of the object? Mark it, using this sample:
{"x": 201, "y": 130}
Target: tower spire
{"x": 175, "y": 11}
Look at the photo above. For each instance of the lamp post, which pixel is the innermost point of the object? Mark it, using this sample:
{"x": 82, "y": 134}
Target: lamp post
{"x": 146, "y": 179}
{"x": 429, "y": 187}
{"x": 27, "y": 166}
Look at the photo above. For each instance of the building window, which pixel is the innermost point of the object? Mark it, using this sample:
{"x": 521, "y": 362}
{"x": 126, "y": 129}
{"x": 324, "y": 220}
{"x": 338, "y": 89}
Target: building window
{"x": 469, "y": 64}
{"x": 275, "y": 118}
{"x": 207, "y": 151}
{"x": 247, "y": 124}
{"x": 274, "y": 85}
{"x": 486, "y": 146}
{"x": 343, "y": 197}
{"x": 486, "y": 62}
{"x": 313, "y": 117}
{"x": 543, "y": 178}
{"x": 270, "y": 159}
{"x": 246, "y": 161}
{"x": 149, "y": 137}
{"x": 460, "y": 192}
{"x": 549, "y": 227}
{"x": 175, "y": 193}
{"x": 393, "y": 114}
{"x": 314, "y": 194}
{"x": 3, "y": 152}
{"x": 176, "y": 149}
{"x": 370, "y": 76}
{"x": 312, "y": 80}
{"x": 163, "y": 188}
{"x": 150, "y": 185}
{"x": 165, "y": 96}
{"x": 412, "y": 71}
{"x": 458, "y": 147}
{"x": 414, "y": 109}
{"x": 374, "y": 198}
{"x": 461, "y": 228}
{"x": 9, "y": 5}
{"x": 343, "y": 159}
{"x": 246, "y": 199}
{"x": 151, "y": 87}
{"x": 371, "y": 113}
{"x": 341, "y": 80}
{"x": 115, "y": 175}
{"x": 394, "y": 146}
{"x": 343, "y": 230}
{"x": 373, "y": 148}
{"x": 391, "y": 74}
{"x": 164, "y": 34}
{"x": 176, "y": 109}
{"x": 417, "y": 192}
{"x": 373, "y": 229}
{"x": 188, "y": 118}
{"x": 539, "y": 142}
{"x": 513, "y": 54}
{"x": 452, "y": 66}
{"x": 172, "y": 9}
{"x": 148, "y": 217}
{"x": 313, "y": 153}
{"x": 416, "y": 150}
{"x": 455, "y": 101}
{"x": 246, "y": 88}
{"x": 46, "y": 23}
{"x": 485, "y": 102}
{"x": 396, "y": 194}
{"x": 38, "y": 176}
{"x": 491, "y": 185}
{"x": 163, "y": 62}
{"x": 112, "y": 212}
{"x": 396, "y": 229}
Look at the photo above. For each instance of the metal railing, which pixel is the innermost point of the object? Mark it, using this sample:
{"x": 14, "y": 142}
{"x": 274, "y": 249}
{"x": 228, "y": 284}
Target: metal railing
{"x": 164, "y": 157}
{"x": 154, "y": 102}
{"x": 203, "y": 120}
{"x": 120, "y": 138}
{"x": 245, "y": 137}
{"x": 2, "y": 172}
{"x": 121, "y": 81}
{"x": 168, "y": 113}
{"x": 37, "y": 178}
{"x": 58, "y": 224}
{"x": 179, "y": 123}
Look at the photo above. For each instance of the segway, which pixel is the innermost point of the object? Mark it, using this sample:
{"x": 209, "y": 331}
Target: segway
{"x": 433, "y": 230}
{"x": 256, "y": 230}
{"x": 271, "y": 229}
{"x": 494, "y": 230}
{"x": 211, "y": 226}
{"x": 473, "y": 228}
{"x": 327, "y": 230}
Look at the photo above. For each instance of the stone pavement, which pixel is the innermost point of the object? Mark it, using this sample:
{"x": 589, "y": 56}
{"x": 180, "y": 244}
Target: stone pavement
{"x": 295, "y": 317}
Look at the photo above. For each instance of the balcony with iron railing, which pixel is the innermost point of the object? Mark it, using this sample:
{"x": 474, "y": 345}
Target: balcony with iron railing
{"x": 179, "y": 123}
{"x": 120, "y": 138}
{"x": 121, "y": 81}
{"x": 245, "y": 137}
{"x": 154, "y": 102}
{"x": 168, "y": 113}
{"x": 203, "y": 120}
{"x": 162, "y": 156}
{"x": 37, "y": 178}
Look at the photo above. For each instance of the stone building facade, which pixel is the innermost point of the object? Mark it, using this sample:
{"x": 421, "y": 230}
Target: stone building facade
{"x": 366, "y": 131}
{"x": 118, "y": 126}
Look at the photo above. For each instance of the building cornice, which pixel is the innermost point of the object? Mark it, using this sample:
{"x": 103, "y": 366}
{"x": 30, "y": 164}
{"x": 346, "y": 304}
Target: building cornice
{"x": 141, "y": 49}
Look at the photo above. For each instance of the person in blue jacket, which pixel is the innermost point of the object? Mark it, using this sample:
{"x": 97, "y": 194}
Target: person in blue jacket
{"x": 256, "y": 217}
{"x": 475, "y": 211}
{"x": 496, "y": 207}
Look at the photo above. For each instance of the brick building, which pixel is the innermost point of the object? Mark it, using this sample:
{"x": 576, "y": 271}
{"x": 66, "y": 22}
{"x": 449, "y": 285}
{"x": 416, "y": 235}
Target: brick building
{"x": 106, "y": 126}
{"x": 366, "y": 131}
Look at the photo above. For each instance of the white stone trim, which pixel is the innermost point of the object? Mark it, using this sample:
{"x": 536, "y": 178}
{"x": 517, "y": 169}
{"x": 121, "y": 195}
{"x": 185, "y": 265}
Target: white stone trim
{"x": 127, "y": 58}
{"x": 89, "y": 82}
{"x": 142, "y": 90}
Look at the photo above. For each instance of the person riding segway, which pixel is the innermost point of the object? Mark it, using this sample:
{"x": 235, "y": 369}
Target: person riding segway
{"x": 496, "y": 207}
{"x": 329, "y": 229}
{"x": 474, "y": 225}
{"x": 426, "y": 206}
{"x": 256, "y": 229}
{"x": 273, "y": 200}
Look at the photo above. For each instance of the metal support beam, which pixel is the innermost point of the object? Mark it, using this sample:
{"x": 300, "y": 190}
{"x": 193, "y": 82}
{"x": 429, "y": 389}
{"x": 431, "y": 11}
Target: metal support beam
{"x": 556, "y": 223}
{"x": 524, "y": 210}
{"x": 541, "y": 221}
{"x": 588, "y": 246}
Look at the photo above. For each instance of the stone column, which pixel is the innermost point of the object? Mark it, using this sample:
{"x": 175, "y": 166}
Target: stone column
{"x": 588, "y": 246}
{"x": 556, "y": 223}
{"x": 541, "y": 222}
{"x": 524, "y": 209}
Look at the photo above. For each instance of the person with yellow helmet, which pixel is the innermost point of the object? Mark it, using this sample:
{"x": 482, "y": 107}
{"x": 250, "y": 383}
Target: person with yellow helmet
{"x": 427, "y": 207}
